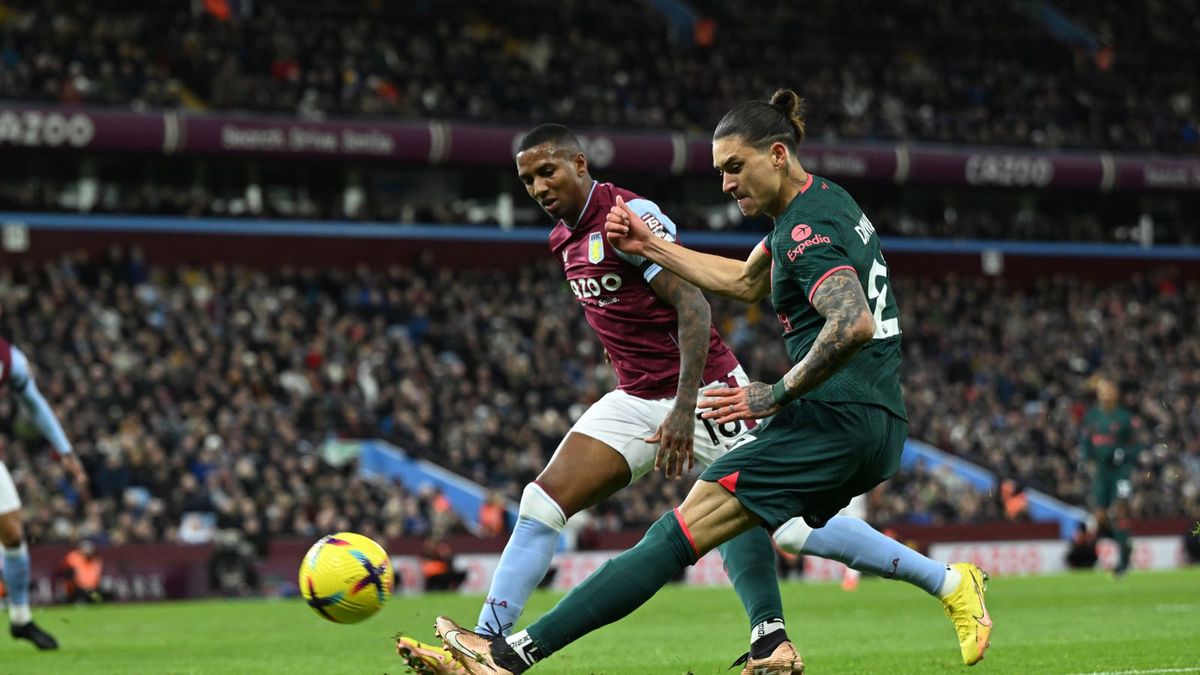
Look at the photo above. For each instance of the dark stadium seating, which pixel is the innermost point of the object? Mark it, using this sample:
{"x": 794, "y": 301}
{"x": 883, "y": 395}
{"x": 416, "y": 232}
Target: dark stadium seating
{"x": 993, "y": 73}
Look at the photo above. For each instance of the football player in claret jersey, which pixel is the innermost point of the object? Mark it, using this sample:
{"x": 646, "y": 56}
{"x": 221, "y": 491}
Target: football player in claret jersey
{"x": 1107, "y": 443}
{"x": 658, "y": 332}
{"x": 15, "y": 373}
{"x": 838, "y": 421}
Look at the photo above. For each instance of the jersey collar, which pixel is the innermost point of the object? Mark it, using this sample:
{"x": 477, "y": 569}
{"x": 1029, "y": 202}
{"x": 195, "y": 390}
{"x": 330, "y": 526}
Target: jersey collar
{"x": 803, "y": 189}
{"x": 582, "y": 211}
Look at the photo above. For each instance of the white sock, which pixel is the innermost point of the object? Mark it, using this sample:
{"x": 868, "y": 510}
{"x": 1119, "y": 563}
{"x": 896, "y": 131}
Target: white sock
{"x": 953, "y": 579}
{"x": 765, "y": 628}
{"x": 19, "y": 615}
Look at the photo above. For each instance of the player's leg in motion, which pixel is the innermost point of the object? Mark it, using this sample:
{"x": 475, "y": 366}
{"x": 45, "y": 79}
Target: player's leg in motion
{"x": 708, "y": 517}
{"x": 16, "y": 567}
{"x": 749, "y": 558}
{"x": 851, "y": 541}
{"x": 582, "y": 472}
{"x": 861, "y": 547}
{"x": 750, "y": 563}
{"x": 856, "y": 509}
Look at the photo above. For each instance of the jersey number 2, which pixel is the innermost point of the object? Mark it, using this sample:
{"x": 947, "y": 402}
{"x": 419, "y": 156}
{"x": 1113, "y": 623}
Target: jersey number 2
{"x": 877, "y": 291}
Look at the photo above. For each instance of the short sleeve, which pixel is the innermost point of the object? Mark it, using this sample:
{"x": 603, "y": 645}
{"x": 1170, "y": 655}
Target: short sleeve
{"x": 810, "y": 255}
{"x": 660, "y": 225}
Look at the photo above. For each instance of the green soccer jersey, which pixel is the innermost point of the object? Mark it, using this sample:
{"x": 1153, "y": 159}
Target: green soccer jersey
{"x": 822, "y": 231}
{"x": 1108, "y": 438}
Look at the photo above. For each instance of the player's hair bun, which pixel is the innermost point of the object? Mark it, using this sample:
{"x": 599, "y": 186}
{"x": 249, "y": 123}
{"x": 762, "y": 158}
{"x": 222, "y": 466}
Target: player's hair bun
{"x": 792, "y": 106}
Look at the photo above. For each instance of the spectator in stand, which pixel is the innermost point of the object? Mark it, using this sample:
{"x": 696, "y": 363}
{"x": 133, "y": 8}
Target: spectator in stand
{"x": 493, "y": 519}
{"x": 1082, "y": 553}
{"x": 231, "y": 568}
{"x": 437, "y": 566}
{"x": 445, "y": 521}
{"x": 1013, "y": 500}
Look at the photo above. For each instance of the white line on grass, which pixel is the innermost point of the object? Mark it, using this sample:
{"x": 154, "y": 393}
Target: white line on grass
{"x": 1141, "y": 671}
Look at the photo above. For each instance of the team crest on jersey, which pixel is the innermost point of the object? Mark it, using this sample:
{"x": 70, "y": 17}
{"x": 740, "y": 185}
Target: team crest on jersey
{"x": 595, "y": 247}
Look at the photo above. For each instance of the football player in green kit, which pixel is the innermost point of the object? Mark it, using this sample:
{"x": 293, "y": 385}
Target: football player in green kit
{"x": 838, "y": 419}
{"x": 1107, "y": 443}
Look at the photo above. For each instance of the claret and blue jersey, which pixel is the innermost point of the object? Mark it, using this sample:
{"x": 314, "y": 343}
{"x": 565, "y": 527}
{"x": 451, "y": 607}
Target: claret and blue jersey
{"x": 639, "y": 329}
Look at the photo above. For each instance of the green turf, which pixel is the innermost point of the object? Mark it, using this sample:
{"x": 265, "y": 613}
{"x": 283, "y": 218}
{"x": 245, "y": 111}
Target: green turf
{"x": 1081, "y": 623}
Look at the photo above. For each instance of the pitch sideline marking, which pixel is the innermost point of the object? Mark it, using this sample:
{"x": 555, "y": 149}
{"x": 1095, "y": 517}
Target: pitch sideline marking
{"x": 1141, "y": 671}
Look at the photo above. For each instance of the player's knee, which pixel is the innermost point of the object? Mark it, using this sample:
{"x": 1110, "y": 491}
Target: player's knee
{"x": 537, "y": 504}
{"x": 11, "y": 533}
{"x": 792, "y": 535}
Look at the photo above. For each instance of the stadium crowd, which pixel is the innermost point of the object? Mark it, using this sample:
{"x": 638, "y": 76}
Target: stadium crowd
{"x": 212, "y": 390}
{"x": 995, "y": 73}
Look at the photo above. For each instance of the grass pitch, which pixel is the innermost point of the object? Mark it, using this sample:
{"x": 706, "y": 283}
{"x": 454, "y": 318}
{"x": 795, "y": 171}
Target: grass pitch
{"x": 1081, "y": 623}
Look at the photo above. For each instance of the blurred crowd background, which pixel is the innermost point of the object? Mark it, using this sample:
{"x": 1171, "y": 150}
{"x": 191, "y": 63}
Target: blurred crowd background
{"x": 1067, "y": 74}
{"x": 199, "y": 397}
{"x": 210, "y": 390}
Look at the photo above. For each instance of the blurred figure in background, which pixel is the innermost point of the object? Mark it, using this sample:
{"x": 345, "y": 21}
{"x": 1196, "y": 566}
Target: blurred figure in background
{"x": 1014, "y": 500}
{"x": 437, "y": 566}
{"x": 83, "y": 570}
{"x": 231, "y": 569}
{"x": 1082, "y": 553}
{"x": 492, "y": 518}
{"x": 1107, "y": 444}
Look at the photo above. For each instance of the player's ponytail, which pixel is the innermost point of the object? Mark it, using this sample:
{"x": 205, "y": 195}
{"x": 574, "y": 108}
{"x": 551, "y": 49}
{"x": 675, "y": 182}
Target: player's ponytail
{"x": 761, "y": 123}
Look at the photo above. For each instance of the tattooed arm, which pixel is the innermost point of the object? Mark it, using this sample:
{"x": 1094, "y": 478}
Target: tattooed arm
{"x": 677, "y": 432}
{"x": 848, "y": 326}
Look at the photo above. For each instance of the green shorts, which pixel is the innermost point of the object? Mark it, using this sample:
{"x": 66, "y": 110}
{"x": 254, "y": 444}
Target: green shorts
{"x": 1109, "y": 486}
{"x": 810, "y": 460}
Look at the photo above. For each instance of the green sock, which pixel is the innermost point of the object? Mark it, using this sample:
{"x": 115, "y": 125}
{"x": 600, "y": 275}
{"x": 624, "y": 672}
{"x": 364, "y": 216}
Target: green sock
{"x": 620, "y": 586}
{"x": 750, "y": 562}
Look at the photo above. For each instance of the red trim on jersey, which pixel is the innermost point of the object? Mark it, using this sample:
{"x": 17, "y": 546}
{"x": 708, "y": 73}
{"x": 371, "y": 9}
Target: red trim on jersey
{"x": 683, "y": 526}
{"x": 807, "y": 184}
{"x": 730, "y": 482}
{"x": 763, "y": 244}
{"x": 826, "y": 276}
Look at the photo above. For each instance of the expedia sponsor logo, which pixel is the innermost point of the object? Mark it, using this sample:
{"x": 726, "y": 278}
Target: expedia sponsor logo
{"x": 801, "y": 232}
{"x": 798, "y": 251}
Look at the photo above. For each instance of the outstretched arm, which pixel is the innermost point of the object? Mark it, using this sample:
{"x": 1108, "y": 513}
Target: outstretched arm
{"x": 848, "y": 326}
{"x": 748, "y": 281}
{"x": 44, "y": 417}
